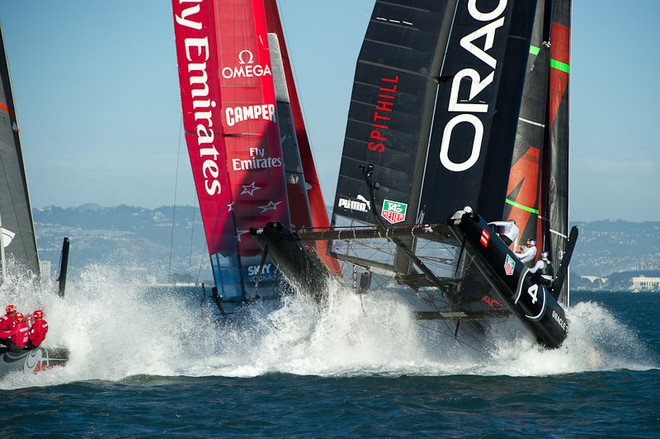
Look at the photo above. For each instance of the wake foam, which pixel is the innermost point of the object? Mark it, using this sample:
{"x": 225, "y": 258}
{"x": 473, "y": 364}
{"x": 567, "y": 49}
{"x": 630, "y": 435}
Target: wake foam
{"x": 115, "y": 328}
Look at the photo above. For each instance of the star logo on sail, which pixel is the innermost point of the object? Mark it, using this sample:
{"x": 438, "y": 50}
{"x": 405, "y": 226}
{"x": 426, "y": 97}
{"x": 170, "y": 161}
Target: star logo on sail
{"x": 270, "y": 206}
{"x": 240, "y": 233}
{"x": 250, "y": 189}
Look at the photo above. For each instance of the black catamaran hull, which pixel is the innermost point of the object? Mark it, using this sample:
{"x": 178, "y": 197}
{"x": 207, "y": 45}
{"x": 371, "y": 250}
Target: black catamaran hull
{"x": 301, "y": 264}
{"x": 531, "y": 302}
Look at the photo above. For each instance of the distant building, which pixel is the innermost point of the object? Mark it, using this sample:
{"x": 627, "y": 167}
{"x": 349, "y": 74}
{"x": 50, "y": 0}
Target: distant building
{"x": 644, "y": 283}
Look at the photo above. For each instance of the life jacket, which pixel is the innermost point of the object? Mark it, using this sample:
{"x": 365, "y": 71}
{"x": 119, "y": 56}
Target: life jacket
{"x": 38, "y": 332}
{"x": 6, "y": 323}
{"x": 19, "y": 335}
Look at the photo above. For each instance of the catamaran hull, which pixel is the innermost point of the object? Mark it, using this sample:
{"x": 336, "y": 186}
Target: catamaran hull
{"x": 301, "y": 264}
{"x": 531, "y": 302}
{"x": 32, "y": 361}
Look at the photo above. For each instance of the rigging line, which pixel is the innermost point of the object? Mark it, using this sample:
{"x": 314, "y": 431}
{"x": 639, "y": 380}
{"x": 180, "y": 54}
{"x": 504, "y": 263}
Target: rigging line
{"x": 192, "y": 233}
{"x": 176, "y": 185}
{"x": 201, "y": 263}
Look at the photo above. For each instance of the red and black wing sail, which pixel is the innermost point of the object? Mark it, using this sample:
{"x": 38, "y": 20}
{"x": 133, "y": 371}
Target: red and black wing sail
{"x": 527, "y": 185}
{"x": 558, "y": 124}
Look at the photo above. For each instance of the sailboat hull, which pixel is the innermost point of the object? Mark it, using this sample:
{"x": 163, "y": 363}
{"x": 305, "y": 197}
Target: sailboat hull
{"x": 531, "y": 302}
{"x": 32, "y": 361}
{"x": 502, "y": 274}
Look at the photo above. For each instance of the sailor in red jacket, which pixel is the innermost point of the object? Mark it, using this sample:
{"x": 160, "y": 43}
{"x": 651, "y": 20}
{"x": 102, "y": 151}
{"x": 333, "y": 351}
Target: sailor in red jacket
{"x": 6, "y": 323}
{"x": 38, "y": 330}
{"x": 18, "y": 335}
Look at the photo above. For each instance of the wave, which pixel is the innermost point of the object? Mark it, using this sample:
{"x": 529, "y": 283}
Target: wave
{"x": 116, "y": 328}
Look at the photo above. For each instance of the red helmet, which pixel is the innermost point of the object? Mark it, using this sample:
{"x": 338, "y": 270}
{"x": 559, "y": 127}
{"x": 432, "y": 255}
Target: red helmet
{"x": 10, "y": 309}
{"x": 18, "y": 317}
{"x": 38, "y": 314}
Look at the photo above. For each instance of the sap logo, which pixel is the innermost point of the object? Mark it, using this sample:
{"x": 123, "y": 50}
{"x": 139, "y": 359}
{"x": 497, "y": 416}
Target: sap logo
{"x": 253, "y": 270}
{"x": 360, "y": 204}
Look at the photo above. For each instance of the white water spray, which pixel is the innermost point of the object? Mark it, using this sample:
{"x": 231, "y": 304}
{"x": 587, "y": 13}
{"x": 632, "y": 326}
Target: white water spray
{"x": 115, "y": 328}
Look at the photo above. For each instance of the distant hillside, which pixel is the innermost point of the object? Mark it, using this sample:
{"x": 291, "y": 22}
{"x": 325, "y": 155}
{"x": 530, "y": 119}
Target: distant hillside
{"x": 138, "y": 237}
{"x": 130, "y": 237}
{"x": 606, "y": 247}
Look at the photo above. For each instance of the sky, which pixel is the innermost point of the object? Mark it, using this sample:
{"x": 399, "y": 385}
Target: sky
{"x": 97, "y": 97}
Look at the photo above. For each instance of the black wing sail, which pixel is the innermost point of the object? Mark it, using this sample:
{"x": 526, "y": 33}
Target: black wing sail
{"x": 391, "y": 107}
{"x": 476, "y": 113}
{"x": 15, "y": 212}
{"x": 431, "y": 128}
{"x": 432, "y": 111}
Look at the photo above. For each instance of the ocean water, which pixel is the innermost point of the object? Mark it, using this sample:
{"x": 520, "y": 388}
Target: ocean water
{"x": 151, "y": 362}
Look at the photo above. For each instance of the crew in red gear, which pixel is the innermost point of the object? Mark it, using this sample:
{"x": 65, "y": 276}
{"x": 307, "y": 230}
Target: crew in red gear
{"x": 18, "y": 335}
{"x": 38, "y": 330}
{"x": 6, "y": 323}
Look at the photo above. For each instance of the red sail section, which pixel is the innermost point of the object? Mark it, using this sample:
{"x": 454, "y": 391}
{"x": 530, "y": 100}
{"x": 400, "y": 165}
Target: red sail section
{"x": 200, "y": 99}
{"x": 228, "y": 102}
{"x": 560, "y": 52}
{"x": 319, "y": 213}
{"x": 254, "y": 155}
{"x": 524, "y": 191}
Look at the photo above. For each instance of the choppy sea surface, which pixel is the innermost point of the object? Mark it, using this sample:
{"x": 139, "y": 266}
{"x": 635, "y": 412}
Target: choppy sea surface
{"x": 151, "y": 362}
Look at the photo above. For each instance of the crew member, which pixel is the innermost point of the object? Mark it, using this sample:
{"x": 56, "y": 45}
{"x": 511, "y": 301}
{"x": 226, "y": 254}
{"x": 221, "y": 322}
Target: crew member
{"x": 18, "y": 335}
{"x": 527, "y": 253}
{"x": 542, "y": 270}
{"x": 6, "y": 323}
{"x": 509, "y": 233}
{"x": 38, "y": 330}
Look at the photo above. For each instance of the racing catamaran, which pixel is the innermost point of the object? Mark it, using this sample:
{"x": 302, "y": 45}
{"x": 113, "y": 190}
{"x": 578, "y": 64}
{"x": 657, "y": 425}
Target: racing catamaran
{"x": 458, "y": 116}
{"x": 18, "y": 244}
{"x": 248, "y": 147}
